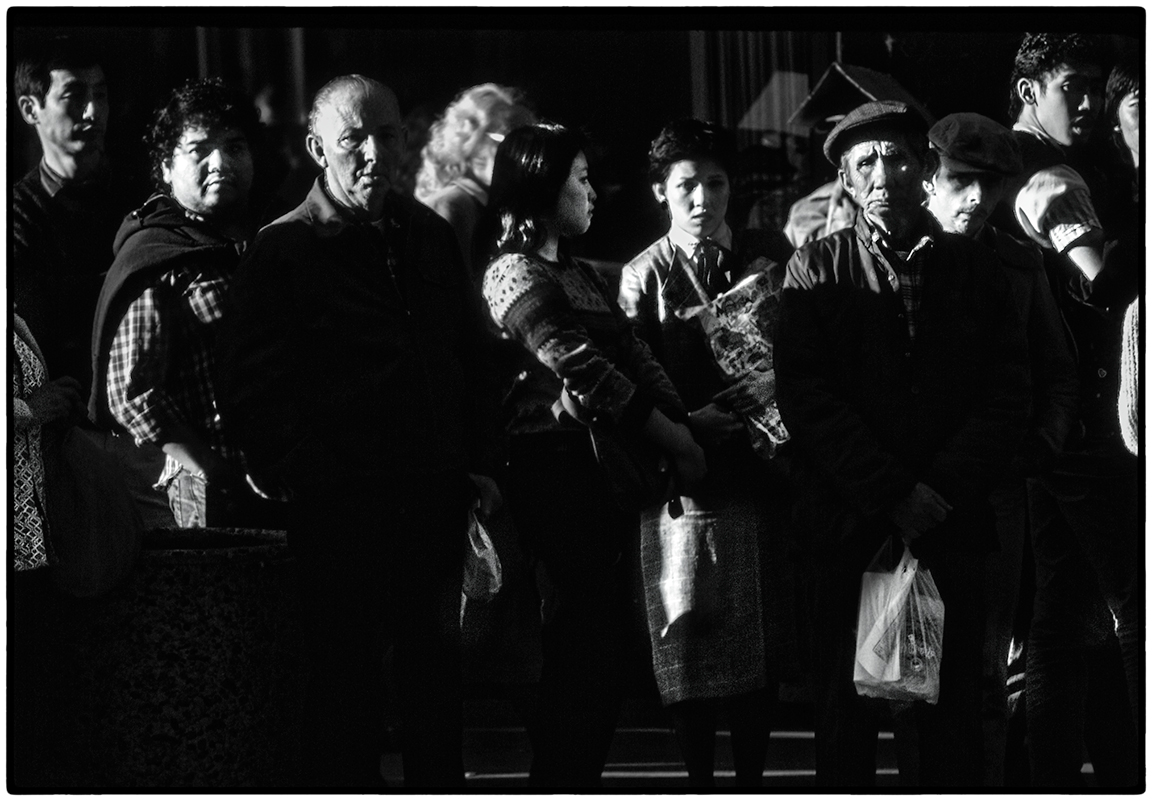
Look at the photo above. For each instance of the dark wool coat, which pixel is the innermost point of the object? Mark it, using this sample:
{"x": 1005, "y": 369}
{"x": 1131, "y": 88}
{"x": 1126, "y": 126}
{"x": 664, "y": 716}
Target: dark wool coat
{"x": 334, "y": 367}
{"x": 872, "y": 412}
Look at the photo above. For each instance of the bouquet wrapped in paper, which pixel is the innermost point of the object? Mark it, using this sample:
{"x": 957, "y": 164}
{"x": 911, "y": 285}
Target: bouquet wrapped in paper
{"x": 736, "y": 323}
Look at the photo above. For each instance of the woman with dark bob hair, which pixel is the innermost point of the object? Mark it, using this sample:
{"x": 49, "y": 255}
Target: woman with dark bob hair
{"x": 706, "y": 572}
{"x": 575, "y": 340}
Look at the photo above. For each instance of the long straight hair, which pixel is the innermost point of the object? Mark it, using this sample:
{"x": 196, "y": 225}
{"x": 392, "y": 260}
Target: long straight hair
{"x": 532, "y": 164}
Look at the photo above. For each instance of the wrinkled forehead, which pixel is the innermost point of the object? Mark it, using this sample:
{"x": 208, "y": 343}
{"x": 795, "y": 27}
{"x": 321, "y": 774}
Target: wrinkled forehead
{"x": 357, "y": 106}
{"x": 879, "y": 145}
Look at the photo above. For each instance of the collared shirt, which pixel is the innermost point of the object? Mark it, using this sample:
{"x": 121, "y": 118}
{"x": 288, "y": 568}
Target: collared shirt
{"x": 161, "y": 363}
{"x": 688, "y": 251}
{"x": 905, "y": 270}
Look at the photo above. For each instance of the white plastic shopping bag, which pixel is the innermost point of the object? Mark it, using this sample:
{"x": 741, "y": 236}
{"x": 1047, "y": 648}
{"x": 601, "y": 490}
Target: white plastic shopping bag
{"x": 900, "y": 630}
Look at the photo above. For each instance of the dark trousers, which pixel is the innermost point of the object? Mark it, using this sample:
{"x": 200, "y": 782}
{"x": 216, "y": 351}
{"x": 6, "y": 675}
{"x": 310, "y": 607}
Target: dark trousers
{"x": 1089, "y": 592}
{"x": 948, "y": 733}
{"x": 571, "y": 525}
{"x": 382, "y": 565}
{"x": 1002, "y": 579}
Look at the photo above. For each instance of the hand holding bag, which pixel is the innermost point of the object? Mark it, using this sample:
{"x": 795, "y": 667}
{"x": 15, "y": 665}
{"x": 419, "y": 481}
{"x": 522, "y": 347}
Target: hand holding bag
{"x": 638, "y": 474}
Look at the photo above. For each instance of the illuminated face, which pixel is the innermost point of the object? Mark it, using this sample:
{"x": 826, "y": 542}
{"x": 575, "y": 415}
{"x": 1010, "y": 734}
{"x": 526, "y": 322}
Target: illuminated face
{"x": 73, "y": 117}
{"x": 359, "y": 141}
{"x": 573, "y": 214}
{"x": 210, "y": 172}
{"x": 696, "y": 193}
{"x": 884, "y": 176}
{"x": 961, "y": 199}
{"x": 1067, "y": 102}
{"x": 1128, "y": 123}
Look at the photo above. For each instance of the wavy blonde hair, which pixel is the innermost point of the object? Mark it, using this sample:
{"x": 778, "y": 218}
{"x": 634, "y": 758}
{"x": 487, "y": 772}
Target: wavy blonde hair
{"x": 456, "y": 136}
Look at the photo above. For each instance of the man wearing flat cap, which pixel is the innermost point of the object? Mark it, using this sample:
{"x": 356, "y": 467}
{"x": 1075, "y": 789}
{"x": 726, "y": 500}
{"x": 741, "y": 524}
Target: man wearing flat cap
{"x": 902, "y": 375}
{"x": 977, "y": 158}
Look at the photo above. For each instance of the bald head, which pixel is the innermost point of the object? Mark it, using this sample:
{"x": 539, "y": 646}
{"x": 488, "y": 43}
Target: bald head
{"x": 356, "y": 136}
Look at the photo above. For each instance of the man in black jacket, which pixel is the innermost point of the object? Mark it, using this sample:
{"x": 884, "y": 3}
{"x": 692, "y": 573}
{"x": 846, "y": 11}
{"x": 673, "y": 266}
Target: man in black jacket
{"x": 902, "y": 376}
{"x": 354, "y": 374}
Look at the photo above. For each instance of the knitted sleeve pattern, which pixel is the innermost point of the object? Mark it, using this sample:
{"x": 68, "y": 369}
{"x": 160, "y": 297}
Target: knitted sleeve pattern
{"x": 552, "y": 310}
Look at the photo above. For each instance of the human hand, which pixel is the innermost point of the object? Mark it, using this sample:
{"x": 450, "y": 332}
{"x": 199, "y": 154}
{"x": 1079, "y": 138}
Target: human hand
{"x": 57, "y": 400}
{"x": 490, "y": 497}
{"x": 920, "y": 510}
{"x": 752, "y": 393}
{"x": 712, "y": 425}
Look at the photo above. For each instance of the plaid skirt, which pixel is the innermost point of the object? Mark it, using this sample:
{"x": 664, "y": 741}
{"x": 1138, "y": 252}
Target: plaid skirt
{"x": 702, "y": 585}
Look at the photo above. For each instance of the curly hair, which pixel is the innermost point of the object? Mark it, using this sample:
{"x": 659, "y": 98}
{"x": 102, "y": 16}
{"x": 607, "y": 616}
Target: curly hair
{"x": 207, "y": 103}
{"x": 458, "y": 133}
{"x": 1041, "y": 54}
{"x": 690, "y": 139}
{"x": 532, "y": 165}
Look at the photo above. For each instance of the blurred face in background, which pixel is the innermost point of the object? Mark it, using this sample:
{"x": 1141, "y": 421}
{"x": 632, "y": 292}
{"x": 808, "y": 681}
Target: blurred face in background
{"x": 696, "y": 194}
{"x": 359, "y": 141}
{"x": 961, "y": 197}
{"x": 573, "y": 215}
{"x": 210, "y": 172}
{"x": 1128, "y": 123}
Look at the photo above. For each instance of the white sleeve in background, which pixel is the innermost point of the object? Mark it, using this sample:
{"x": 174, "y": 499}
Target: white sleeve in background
{"x": 1055, "y": 208}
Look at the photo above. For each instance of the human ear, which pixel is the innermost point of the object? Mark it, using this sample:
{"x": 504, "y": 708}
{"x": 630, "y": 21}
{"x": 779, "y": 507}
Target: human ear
{"x": 316, "y": 150}
{"x": 659, "y": 193}
{"x": 844, "y": 182}
{"x": 28, "y": 106}
{"x": 166, "y": 172}
{"x": 1027, "y": 91}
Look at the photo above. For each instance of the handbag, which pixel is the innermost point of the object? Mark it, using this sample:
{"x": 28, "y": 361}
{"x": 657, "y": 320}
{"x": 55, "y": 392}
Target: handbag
{"x": 94, "y": 524}
{"x": 636, "y": 472}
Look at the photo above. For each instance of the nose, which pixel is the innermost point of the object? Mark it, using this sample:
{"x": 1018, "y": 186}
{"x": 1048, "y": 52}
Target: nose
{"x": 591, "y": 194}
{"x": 975, "y": 193}
{"x": 698, "y": 195}
{"x": 89, "y": 112}
{"x": 880, "y": 173}
{"x": 215, "y": 159}
{"x": 371, "y": 147}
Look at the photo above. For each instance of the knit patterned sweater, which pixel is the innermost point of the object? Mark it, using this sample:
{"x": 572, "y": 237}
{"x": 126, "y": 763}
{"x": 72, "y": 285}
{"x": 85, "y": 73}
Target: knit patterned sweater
{"x": 563, "y": 314}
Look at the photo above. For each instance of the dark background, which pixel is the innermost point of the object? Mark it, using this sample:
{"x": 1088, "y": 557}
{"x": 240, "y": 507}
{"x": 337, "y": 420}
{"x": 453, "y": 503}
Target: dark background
{"x": 618, "y": 75}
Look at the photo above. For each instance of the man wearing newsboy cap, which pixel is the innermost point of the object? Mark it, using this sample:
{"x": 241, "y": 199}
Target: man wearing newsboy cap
{"x": 902, "y": 376}
{"x": 978, "y": 157}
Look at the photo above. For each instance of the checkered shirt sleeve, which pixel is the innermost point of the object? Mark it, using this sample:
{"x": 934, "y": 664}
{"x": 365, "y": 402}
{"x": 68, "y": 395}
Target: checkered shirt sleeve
{"x": 161, "y": 361}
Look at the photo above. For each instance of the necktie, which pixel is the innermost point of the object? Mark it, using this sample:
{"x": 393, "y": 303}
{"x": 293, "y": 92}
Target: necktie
{"x": 708, "y": 261}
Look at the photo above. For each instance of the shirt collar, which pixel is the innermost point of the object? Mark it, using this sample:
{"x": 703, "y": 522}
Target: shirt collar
{"x": 50, "y": 179}
{"x": 926, "y": 225}
{"x": 687, "y": 243}
{"x": 1039, "y": 133}
{"x": 331, "y": 218}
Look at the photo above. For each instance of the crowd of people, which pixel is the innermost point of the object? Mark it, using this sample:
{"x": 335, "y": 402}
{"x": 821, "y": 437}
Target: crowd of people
{"x": 949, "y": 356}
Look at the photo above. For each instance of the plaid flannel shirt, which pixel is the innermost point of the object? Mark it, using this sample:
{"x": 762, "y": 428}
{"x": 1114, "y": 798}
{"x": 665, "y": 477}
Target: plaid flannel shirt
{"x": 161, "y": 361}
{"x": 905, "y": 271}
